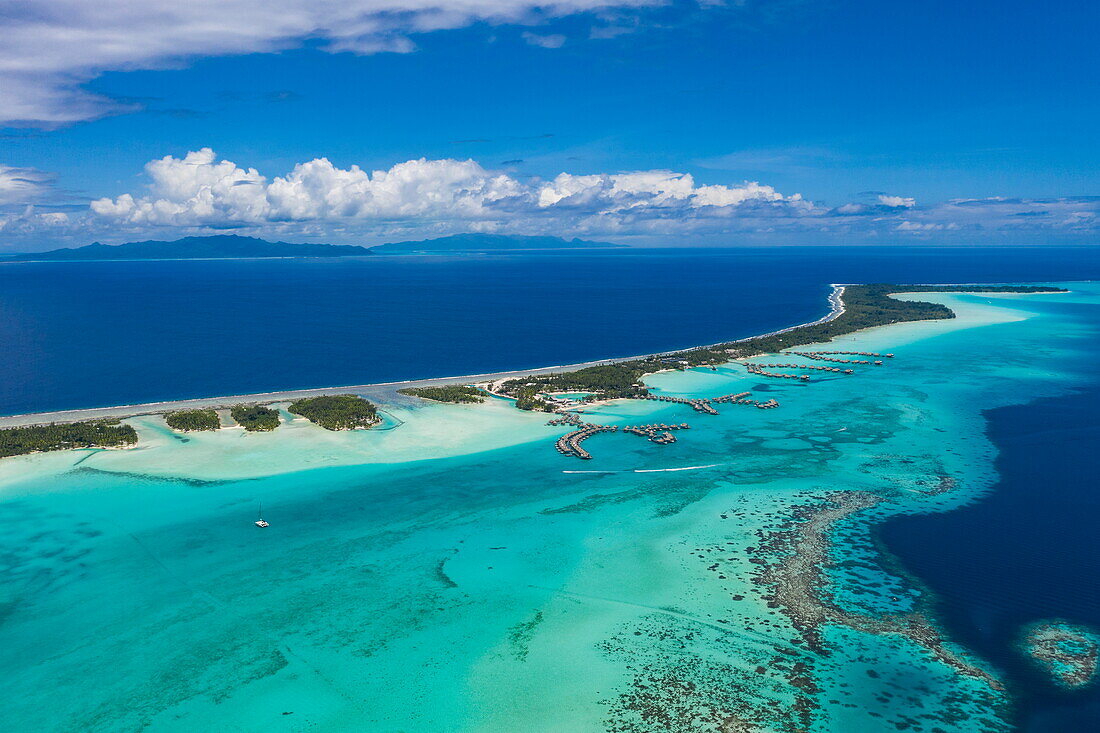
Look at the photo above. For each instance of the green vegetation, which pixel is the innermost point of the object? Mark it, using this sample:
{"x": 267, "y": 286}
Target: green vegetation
{"x": 447, "y": 393}
{"x": 606, "y": 380}
{"x": 336, "y": 412}
{"x": 63, "y": 436}
{"x": 255, "y": 418}
{"x": 192, "y": 420}
{"x": 527, "y": 398}
{"x": 864, "y": 306}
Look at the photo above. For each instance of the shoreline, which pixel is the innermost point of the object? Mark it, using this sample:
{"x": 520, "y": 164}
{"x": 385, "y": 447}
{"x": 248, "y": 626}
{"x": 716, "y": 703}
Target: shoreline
{"x": 836, "y": 308}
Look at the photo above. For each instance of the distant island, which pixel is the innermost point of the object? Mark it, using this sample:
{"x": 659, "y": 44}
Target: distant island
{"x": 232, "y": 246}
{"x": 222, "y": 246}
{"x": 487, "y": 243}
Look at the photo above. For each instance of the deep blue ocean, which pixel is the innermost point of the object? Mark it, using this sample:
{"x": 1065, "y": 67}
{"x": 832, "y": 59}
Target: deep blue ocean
{"x": 91, "y": 334}
{"x": 1027, "y": 552}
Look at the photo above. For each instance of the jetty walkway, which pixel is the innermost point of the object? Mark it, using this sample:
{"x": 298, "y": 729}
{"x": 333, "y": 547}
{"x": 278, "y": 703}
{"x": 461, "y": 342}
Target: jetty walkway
{"x": 759, "y": 371}
{"x": 817, "y": 367}
{"x": 662, "y": 434}
{"x": 570, "y": 443}
{"x": 833, "y": 356}
{"x": 659, "y": 433}
{"x": 706, "y": 404}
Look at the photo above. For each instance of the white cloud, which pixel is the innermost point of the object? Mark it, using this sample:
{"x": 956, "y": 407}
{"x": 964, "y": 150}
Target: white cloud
{"x": 897, "y": 202}
{"x": 30, "y": 222}
{"x": 647, "y": 190}
{"x": 200, "y": 190}
{"x": 910, "y": 226}
{"x": 198, "y": 193}
{"x": 48, "y": 48}
{"x": 23, "y": 185}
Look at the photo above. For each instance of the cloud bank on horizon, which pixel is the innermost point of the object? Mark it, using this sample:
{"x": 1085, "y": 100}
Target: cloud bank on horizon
{"x": 660, "y": 148}
{"x": 200, "y": 193}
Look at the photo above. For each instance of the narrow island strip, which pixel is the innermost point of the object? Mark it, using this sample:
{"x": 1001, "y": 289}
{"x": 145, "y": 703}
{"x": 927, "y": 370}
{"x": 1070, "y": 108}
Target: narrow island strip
{"x": 331, "y": 412}
{"x": 853, "y": 308}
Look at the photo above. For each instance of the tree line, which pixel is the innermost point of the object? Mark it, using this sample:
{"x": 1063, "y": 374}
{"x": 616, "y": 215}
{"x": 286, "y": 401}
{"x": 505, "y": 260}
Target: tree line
{"x": 188, "y": 421}
{"x": 255, "y": 418}
{"x": 445, "y": 393}
{"x": 64, "y": 436}
{"x": 336, "y": 412}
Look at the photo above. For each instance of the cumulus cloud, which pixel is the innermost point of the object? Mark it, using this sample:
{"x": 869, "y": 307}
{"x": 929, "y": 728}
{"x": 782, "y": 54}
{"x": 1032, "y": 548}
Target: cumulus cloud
{"x": 48, "y": 48}
{"x": 200, "y": 193}
{"x": 896, "y": 202}
{"x": 200, "y": 190}
{"x": 30, "y": 222}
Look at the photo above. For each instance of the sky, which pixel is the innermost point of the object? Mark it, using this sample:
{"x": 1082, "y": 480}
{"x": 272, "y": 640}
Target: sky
{"x": 645, "y": 122}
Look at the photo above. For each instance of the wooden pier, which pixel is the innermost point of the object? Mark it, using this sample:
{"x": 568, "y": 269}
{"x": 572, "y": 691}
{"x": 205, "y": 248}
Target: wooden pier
{"x": 570, "y": 443}
{"x": 699, "y": 405}
{"x": 815, "y": 367}
{"x": 663, "y": 434}
{"x": 658, "y": 433}
{"x": 851, "y": 353}
{"x": 828, "y": 356}
{"x": 706, "y": 404}
{"x": 759, "y": 371}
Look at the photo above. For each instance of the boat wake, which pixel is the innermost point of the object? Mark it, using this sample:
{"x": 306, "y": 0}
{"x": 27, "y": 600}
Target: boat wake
{"x": 685, "y": 468}
{"x": 652, "y": 470}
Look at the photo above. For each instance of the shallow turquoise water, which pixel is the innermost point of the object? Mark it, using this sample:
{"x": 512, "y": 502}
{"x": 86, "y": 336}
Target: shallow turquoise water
{"x": 452, "y": 588}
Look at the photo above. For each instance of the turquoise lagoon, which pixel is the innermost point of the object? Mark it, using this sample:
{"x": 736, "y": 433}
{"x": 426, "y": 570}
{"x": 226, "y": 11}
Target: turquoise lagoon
{"x": 455, "y": 574}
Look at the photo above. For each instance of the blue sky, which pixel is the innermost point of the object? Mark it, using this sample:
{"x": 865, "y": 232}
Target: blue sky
{"x": 786, "y": 122}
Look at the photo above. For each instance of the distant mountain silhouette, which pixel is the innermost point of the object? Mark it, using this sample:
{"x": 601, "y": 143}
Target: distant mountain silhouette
{"x": 222, "y": 246}
{"x": 487, "y": 242}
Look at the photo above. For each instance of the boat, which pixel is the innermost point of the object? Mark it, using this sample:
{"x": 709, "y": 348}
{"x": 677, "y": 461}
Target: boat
{"x": 261, "y": 522}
